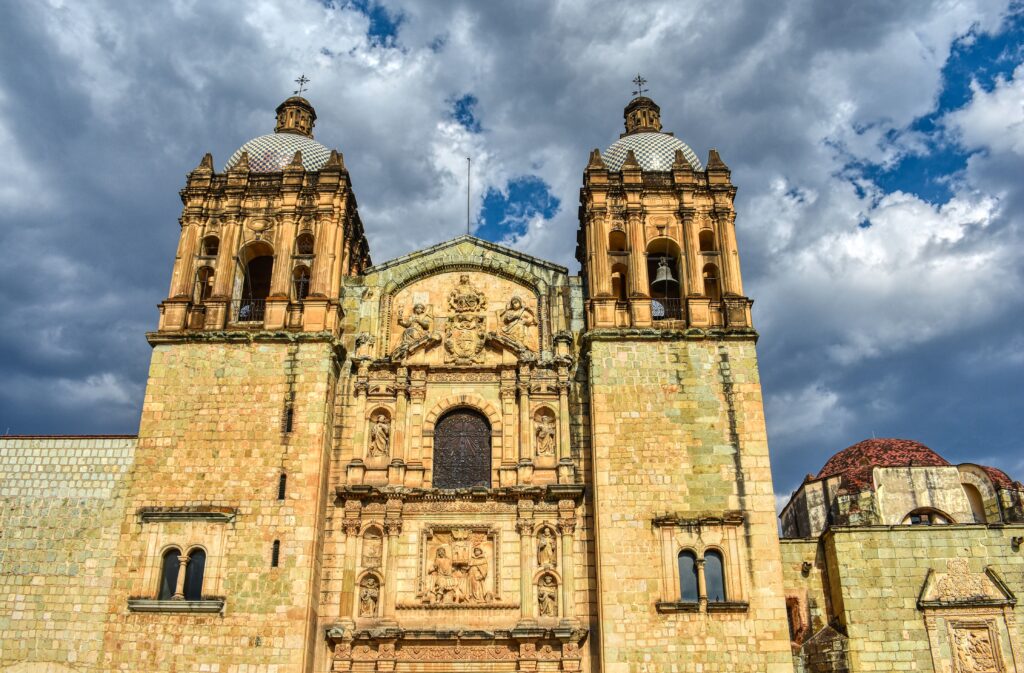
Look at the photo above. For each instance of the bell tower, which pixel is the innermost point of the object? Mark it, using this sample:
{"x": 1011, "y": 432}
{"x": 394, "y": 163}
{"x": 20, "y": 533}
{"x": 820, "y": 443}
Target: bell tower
{"x": 657, "y": 238}
{"x": 687, "y": 554}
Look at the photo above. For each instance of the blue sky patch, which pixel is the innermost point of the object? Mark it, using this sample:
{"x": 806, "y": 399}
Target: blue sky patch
{"x": 464, "y": 112}
{"x": 506, "y": 213}
{"x": 384, "y": 25}
{"x": 974, "y": 57}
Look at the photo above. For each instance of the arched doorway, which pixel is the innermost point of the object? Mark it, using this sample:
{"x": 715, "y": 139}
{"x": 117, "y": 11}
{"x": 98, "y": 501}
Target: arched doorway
{"x": 462, "y": 450}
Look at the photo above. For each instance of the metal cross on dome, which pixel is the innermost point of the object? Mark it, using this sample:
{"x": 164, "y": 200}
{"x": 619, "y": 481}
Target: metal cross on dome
{"x": 302, "y": 81}
{"x": 639, "y": 81}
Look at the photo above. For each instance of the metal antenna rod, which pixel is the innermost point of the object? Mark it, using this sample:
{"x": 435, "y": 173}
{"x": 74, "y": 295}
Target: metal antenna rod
{"x": 469, "y": 163}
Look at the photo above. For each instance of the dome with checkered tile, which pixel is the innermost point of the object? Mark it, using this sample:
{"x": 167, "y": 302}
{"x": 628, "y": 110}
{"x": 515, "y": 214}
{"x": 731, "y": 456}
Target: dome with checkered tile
{"x": 272, "y": 152}
{"x": 654, "y": 151}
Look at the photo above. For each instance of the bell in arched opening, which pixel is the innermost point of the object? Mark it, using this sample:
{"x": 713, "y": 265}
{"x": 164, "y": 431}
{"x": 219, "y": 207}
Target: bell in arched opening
{"x": 663, "y": 279}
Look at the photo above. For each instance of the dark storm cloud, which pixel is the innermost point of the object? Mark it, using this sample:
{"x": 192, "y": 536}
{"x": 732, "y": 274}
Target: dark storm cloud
{"x": 902, "y": 328}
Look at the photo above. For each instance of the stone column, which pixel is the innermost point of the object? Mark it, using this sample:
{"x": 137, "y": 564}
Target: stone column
{"x": 392, "y": 527}
{"x": 179, "y": 585}
{"x": 524, "y": 527}
{"x": 350, "y": 525}
{"x": 224, "y": 280}
{"x": 730, "y": 257}
{"x": 602, "y": 282}
{"x": 702, "y": 585}
{"x": 564, "y": 450}
{"x": 567, "y": 527}
{"x": 185, "y": 263}
{"x": 525, "y": 448}
{"x": 637, "y": 283}
{"x": 398, "y": 425}
{"x": 281, "y": 274}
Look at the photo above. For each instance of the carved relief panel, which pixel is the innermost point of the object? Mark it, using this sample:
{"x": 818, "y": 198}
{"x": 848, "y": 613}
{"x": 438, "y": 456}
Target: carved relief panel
{"x": 459, "y": 565}
{"x": 463, "y": 318}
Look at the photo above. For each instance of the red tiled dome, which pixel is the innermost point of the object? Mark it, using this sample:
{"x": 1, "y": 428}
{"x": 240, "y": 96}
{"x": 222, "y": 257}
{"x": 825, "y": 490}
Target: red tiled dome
{"x": 855, "y": 463}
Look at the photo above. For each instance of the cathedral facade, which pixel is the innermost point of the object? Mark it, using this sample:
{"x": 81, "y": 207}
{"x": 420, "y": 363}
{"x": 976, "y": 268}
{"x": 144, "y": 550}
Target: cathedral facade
{"x": 468, "y": 459}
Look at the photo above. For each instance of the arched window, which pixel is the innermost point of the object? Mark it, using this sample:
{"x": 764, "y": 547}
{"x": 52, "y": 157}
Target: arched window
{"x": 712, "y": 287}
{"x": 194, "y": 575}
{"x": 619, "y": 281}
{"x": 304, "y": 244}
{"x": 300, "y": 279}
{"x": 714, "y": 576}
{"x": 706, "y": 240}
{"x": 210, "y": 247}
{"x": 204, "y": 284}
{"x": 169, "y": 574}
{"x": 926, "y": 517}
{"x": 688, "y": 577}
{"x": 977, "y": 503}
{"x": 462, "y": 450}
{"x": 617, "y": 241}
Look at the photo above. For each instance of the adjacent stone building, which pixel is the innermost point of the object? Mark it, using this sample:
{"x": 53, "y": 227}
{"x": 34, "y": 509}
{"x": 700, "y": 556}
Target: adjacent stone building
{"x": 467, "y": 459}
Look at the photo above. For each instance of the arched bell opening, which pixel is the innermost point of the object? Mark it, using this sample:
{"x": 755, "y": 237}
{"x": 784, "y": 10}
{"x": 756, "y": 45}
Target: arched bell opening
{"x": 204, "y": 284}
{"x": 304, "y": 244}
{"x": 300, "y": 282}
{"x": 256, "y": 262}
{"x": 706, "y": 240}
{"x": 664, "y": 274}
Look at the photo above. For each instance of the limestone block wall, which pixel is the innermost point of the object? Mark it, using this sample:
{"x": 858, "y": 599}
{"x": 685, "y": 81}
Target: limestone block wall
{"x": 876, "y": 575}
{"x": 62, "y": 501}
{"x": 214, "y": 435}
{"x": 678, "y": 427}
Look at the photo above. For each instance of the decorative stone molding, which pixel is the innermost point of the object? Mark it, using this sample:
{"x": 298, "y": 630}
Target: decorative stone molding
{"x": 206, "y": 605}
{"x": 211, "y": 514}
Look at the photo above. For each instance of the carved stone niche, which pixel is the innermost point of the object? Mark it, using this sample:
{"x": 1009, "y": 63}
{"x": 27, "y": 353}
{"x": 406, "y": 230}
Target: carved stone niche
{"x": 460, "y": 566}
{"x": 970, "y": 621}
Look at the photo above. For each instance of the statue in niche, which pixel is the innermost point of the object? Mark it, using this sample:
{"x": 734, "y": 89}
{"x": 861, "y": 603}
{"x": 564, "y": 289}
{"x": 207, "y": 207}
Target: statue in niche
{"x": 417, "y": 325}
{"x": 380, "y": 436}
{"x": 547, "y": 597}
{"x": 371, "y": 550}
{"x": 546, "y": 548}
{"x": 445, "y": 586}
{"x": 465, "y": 298}
{"x": 544, "y": 430}
{"x": 369, "y": 594}
{"x": 477, "y": 576}
{"x": 516, "y": 320}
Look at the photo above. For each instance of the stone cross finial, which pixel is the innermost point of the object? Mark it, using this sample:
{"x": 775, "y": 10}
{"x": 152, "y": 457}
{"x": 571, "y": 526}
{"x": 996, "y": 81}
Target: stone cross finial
{"x": 302, "y": 81}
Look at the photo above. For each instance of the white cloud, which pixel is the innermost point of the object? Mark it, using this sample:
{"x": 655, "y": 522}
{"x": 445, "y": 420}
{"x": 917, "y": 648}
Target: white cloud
{"x": 992, "y": 120}
{"x": 814, "y": 410}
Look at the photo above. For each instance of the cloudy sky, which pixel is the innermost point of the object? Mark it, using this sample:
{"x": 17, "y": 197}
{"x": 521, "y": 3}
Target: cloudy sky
{"x": 878, "y": 148}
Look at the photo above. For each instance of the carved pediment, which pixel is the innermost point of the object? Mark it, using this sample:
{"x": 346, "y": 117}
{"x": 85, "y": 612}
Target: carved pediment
{"x": 957, "y": 586}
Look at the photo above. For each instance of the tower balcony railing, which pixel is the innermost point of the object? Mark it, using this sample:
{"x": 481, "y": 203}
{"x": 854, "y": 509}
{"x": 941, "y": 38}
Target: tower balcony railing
{"x": 666, "y": 308}
{"x": 248, "y": 310}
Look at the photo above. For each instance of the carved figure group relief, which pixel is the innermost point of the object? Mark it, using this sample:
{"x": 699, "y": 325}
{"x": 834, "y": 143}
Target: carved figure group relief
{"x": 547, "y": 596}
{"x": 369, "y": 596}
{"x": 380, "y": 436}
{"x": 458, "y": 568}
{"x": 546, "y": 556}
{"x": 975, "y": 651}
{"x": 471, "y": 323}
{"x": 544, "y": 431}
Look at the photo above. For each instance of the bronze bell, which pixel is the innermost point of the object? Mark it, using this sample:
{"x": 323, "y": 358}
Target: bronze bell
{"x": 663, "y": 279}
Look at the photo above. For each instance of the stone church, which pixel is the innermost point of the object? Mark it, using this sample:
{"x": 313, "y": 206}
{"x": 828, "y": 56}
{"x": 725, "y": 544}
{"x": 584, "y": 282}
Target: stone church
{"x": 468, "y": 459}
